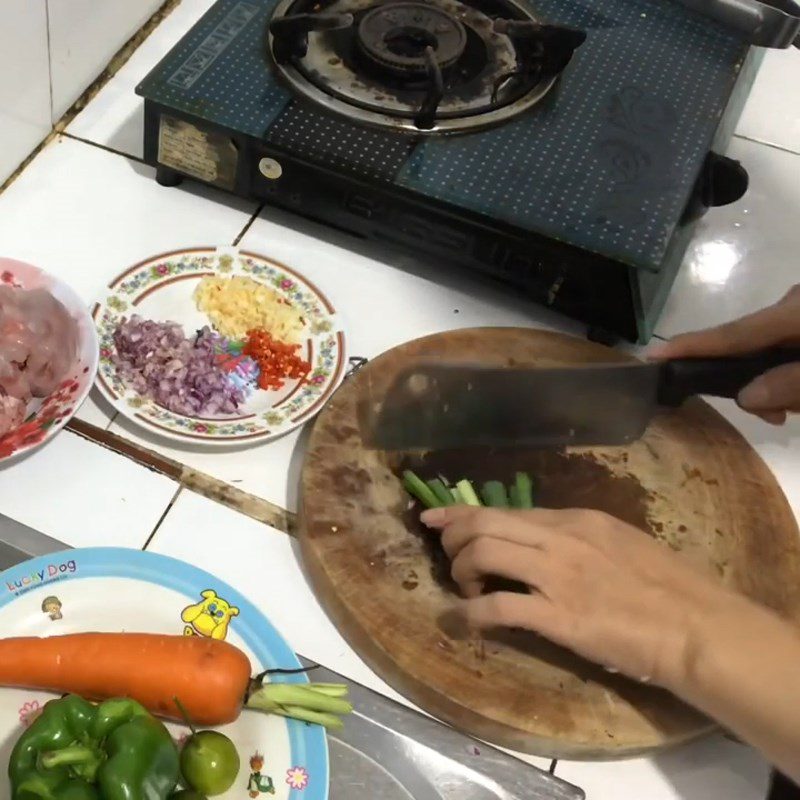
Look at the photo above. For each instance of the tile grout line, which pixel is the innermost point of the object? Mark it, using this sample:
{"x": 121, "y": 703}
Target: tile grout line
{"x": 248, "y": 224}
{"x": 779, "y": 147}
{"x": 49, "y": 58}
{"x": 162, "y": 517}
{"x": 107, "y": 149}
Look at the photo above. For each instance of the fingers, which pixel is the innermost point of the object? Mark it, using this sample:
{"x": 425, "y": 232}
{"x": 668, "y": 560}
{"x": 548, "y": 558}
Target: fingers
{"x": 533, "y": 612}
{"x": 442, "y": 518}
{"x": 539, "y": 528}
{"x": 775, "y": 325}
{"x": 460, "y": 525}
{"x": 773, "y": 392}
{"x": 486, "y": 556}
{"x": 773, "y": 417}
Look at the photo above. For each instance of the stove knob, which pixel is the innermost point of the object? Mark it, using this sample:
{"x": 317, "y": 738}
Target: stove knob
{"x": 270, "y": 169}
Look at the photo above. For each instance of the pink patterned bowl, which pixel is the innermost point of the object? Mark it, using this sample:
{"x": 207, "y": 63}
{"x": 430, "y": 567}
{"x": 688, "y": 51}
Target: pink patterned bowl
{"x": 47, "y": 415}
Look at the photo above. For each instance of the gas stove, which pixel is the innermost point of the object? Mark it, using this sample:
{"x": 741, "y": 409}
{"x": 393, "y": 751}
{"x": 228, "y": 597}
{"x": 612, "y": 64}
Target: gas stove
{"x": 563, "y": 147}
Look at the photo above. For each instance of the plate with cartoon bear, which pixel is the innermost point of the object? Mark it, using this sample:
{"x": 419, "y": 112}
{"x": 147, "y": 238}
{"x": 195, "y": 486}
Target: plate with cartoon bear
{"x": 113, "y": 590}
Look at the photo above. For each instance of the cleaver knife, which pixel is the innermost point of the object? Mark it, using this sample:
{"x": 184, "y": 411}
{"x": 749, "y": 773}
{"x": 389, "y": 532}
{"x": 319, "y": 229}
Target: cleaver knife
{"x": 435, "y": 405}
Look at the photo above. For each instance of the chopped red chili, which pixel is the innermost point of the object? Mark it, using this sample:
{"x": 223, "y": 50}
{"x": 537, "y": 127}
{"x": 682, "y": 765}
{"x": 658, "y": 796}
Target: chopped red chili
{"x": 276, "y": 360}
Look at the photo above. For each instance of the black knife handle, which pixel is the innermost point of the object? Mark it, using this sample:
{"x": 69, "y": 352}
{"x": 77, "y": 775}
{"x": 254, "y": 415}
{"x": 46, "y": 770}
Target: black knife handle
{"x": 719, "y": 377}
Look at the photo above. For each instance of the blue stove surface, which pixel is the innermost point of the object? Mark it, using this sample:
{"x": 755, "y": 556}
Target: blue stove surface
{"x": 606, "y": 163}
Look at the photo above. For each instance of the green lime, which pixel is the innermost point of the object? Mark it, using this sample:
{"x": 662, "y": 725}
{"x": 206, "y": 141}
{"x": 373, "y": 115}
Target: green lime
{"x": 209, "y": 762}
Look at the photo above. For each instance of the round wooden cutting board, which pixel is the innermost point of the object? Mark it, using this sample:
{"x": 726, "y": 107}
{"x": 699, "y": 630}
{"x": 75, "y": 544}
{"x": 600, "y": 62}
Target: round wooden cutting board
{"x": 692, "y": 482}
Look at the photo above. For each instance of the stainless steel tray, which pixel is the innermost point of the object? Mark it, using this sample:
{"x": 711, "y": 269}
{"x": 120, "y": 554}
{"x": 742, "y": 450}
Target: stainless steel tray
{"x": 764, "y": 23}
{"x": 391, "y": 752}
{"x": 386, "y": 751}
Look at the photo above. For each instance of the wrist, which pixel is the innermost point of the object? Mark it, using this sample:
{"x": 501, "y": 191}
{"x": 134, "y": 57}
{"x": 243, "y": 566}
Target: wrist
{"x": 711, "y": 634}
{"x": 724, "y": 643}
{"x": 740, "y": 669}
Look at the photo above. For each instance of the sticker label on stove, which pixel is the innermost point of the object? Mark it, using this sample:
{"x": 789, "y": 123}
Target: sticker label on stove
{"x": 205, "y": 155}
{"x": 214, "y": 44}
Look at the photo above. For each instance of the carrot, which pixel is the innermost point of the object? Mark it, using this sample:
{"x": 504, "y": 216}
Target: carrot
{"x": 210, "y": 678}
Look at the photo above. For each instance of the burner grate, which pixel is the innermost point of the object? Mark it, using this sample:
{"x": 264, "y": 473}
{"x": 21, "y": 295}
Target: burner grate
{"x": 435, "y": 66}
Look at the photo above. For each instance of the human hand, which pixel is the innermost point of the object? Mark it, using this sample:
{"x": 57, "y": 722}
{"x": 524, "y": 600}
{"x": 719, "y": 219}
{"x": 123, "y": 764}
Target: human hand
{"x": 772, "y": 394}
{"x": 599, "y": 586}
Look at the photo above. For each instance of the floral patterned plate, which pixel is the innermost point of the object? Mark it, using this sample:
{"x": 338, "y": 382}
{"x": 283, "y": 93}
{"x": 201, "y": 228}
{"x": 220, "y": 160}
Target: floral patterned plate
{"x": 162, "y": 289}
{"x": 111, "y": 589}
{"x": 47, "y": 415}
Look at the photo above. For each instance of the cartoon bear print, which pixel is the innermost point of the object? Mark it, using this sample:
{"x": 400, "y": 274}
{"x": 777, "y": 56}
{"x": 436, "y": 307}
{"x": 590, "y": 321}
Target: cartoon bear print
{"x": 210, "y": 617}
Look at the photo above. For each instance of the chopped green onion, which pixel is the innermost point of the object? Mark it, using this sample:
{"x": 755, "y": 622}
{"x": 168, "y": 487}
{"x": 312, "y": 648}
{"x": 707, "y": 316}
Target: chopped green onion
{"x": 441, "y": 491}
{"x": 524, "y": 487}
{"x": 436, "y": 493}
{"x": 420, "y": 490}
{"x": 494, "y": 494}
{"x": 467, "y": 492}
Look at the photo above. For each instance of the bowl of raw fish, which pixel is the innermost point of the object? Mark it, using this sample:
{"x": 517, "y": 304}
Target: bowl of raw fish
{"x": 48, "y": 356}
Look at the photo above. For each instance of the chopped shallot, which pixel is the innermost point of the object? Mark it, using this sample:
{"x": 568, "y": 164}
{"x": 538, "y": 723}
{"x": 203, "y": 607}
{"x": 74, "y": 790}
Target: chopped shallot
{"x": 157, "y": 361}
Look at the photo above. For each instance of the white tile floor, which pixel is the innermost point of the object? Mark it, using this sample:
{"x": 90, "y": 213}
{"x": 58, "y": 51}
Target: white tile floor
{"x": 86, "y": 215}
{"x": 84, "y": 495}
{"x": 770, "y": 115}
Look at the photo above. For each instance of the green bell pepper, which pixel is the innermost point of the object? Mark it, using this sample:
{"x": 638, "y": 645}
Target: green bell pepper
{"x": 76, "y": 750}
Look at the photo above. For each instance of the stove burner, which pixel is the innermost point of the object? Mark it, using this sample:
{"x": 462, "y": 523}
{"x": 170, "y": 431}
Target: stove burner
{"x": 398, "y": 37}
{"x": 438, "y": 66}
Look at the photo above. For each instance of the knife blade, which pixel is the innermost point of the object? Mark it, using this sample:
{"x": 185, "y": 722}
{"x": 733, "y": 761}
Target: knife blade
{"x": 431, "y": 405}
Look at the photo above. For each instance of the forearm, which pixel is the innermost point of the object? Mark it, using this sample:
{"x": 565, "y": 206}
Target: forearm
{"x": 745, "y": 673}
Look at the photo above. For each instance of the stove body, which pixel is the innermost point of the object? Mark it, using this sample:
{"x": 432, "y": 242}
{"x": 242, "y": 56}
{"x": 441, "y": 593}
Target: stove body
{"x": 575, "y": 174}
